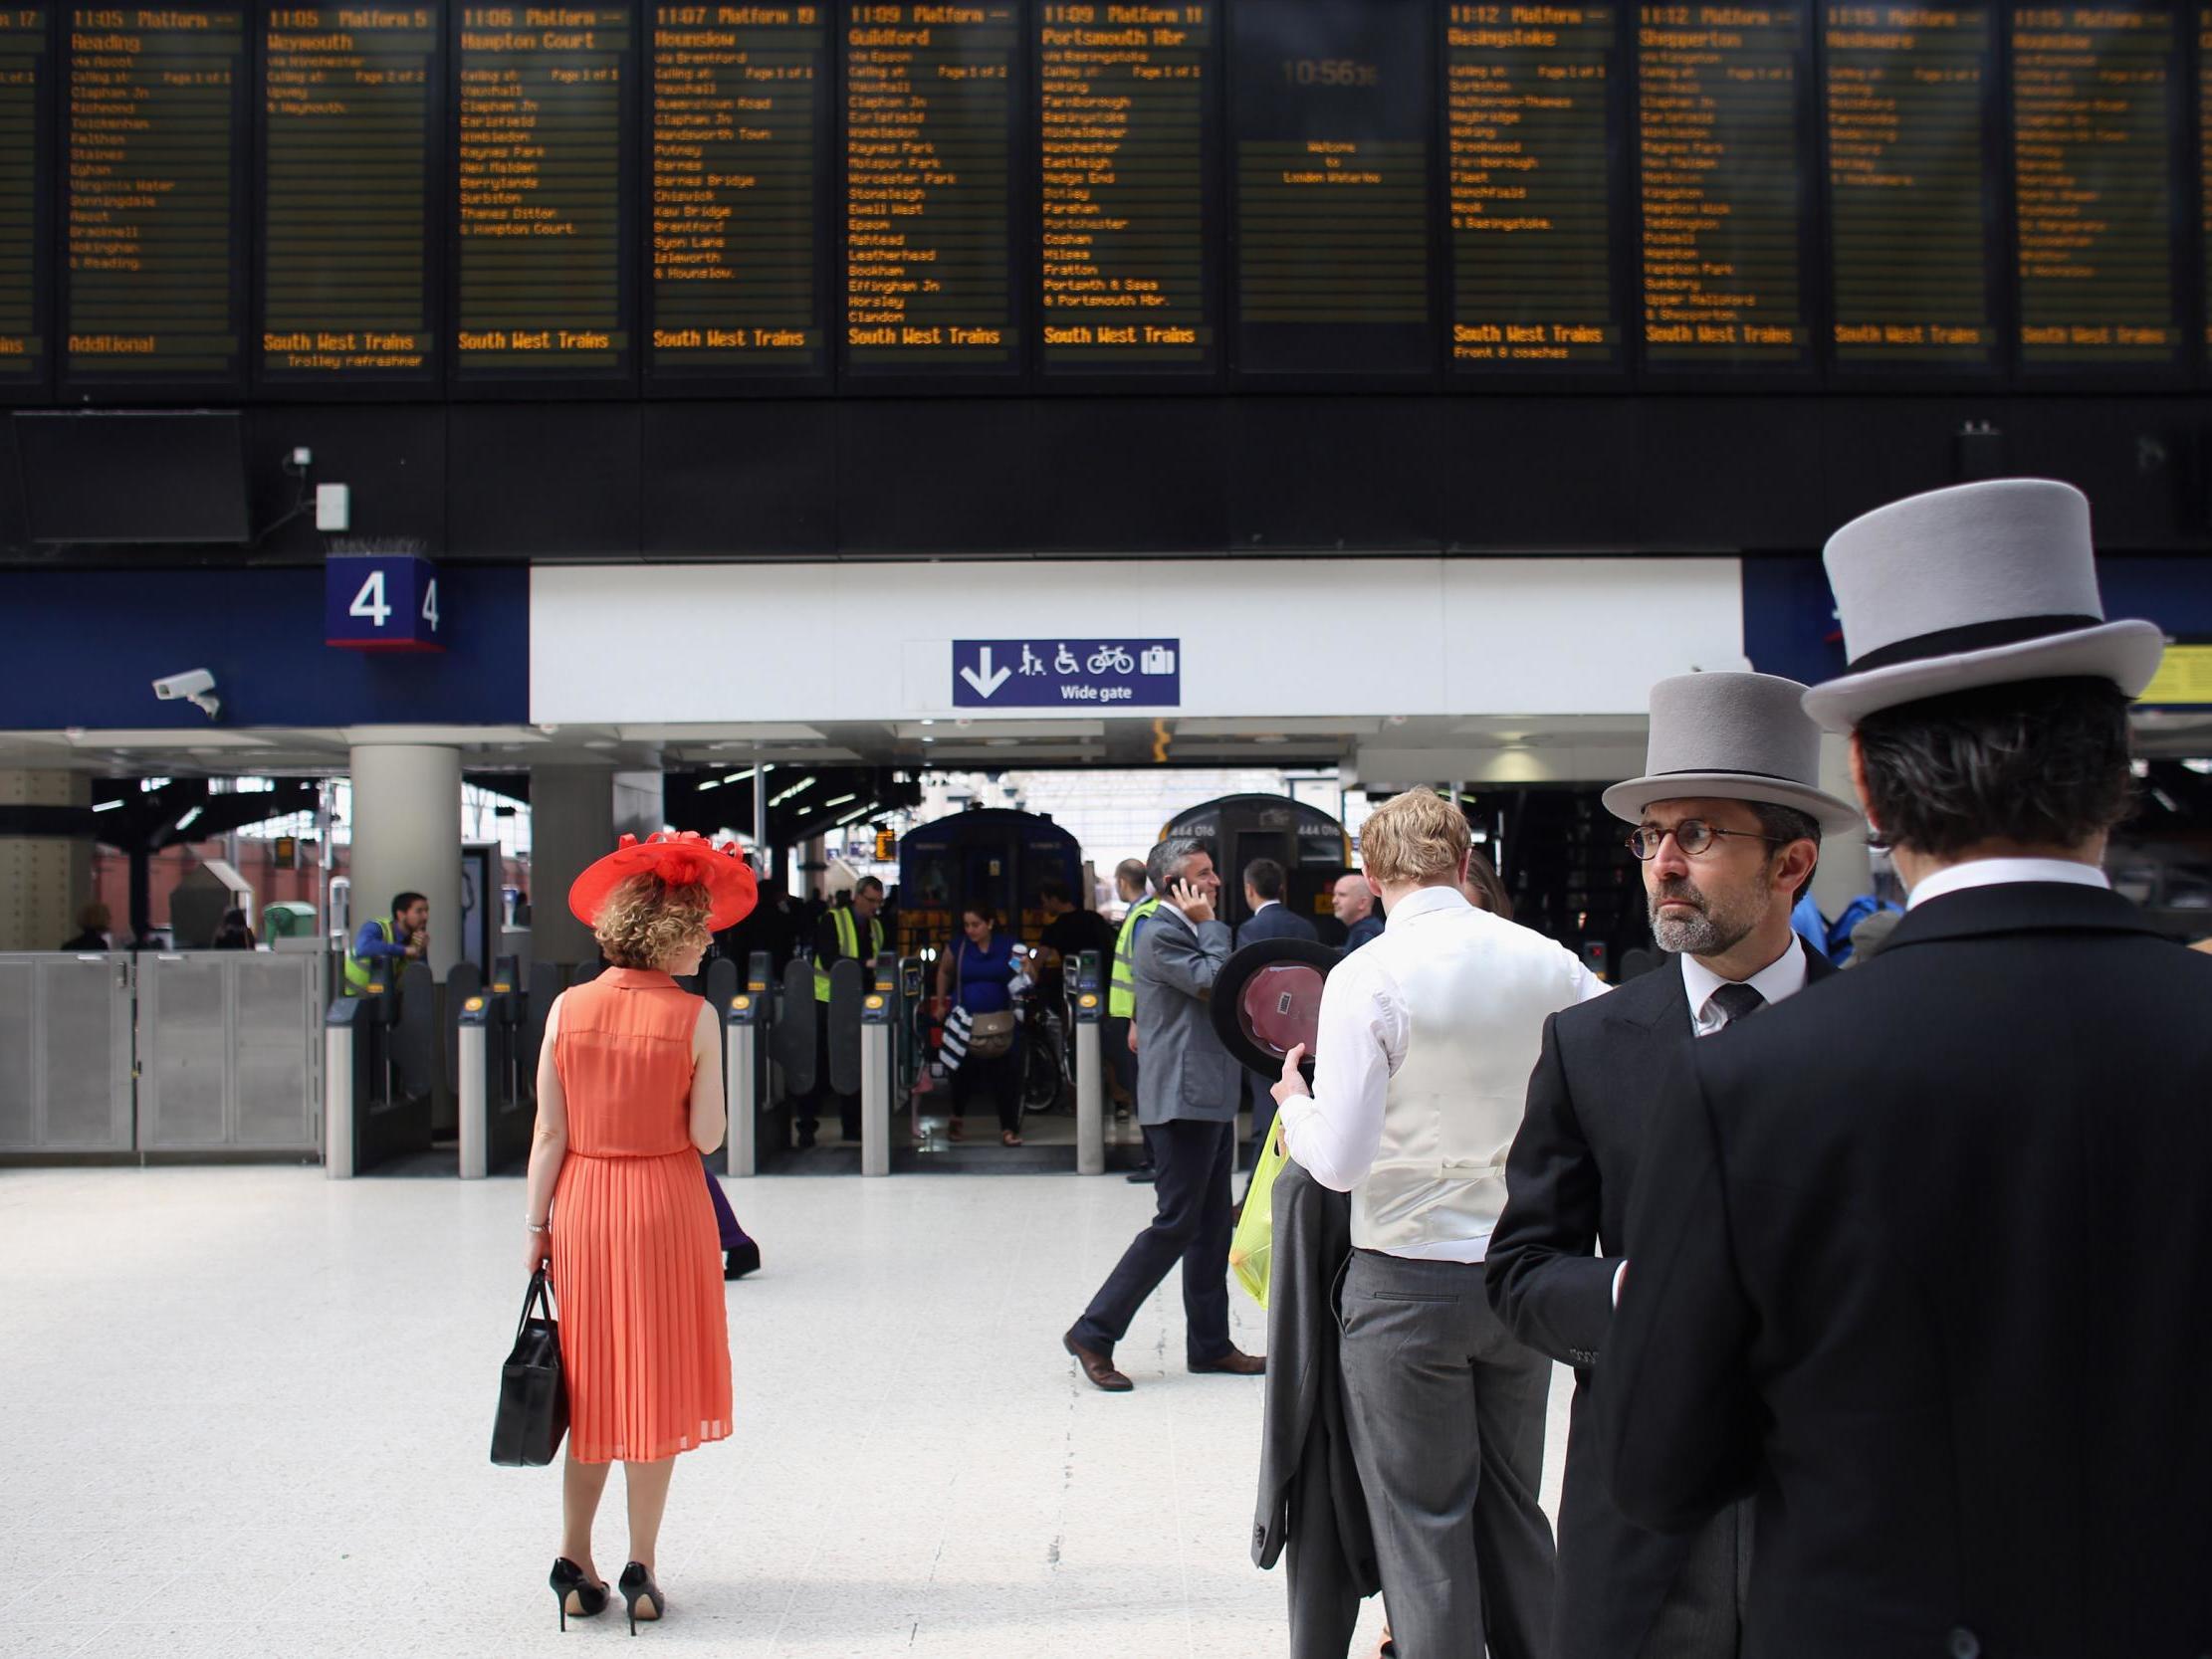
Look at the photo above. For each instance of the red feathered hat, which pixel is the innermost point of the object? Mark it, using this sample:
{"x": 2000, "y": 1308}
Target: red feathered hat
{"x": 688, "y": 859}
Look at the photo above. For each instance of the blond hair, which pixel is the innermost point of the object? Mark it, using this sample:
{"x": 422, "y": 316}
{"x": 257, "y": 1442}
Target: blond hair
{"x": 645, "y": 921}
{"x": 1415, "y": 837}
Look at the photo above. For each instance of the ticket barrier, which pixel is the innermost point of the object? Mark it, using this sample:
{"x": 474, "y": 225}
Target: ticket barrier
{"x": 371, "y": 1116}
{"x": 496, "y": 1089}
{"x": 746, "y": 1006}
{"x": 879, "y": 1018}
{"x": 1090, "y": 1072}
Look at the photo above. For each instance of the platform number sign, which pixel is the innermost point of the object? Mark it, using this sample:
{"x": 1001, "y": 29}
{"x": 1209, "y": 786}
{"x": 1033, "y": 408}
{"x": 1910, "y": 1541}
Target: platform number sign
{"x": 382, "y": 602}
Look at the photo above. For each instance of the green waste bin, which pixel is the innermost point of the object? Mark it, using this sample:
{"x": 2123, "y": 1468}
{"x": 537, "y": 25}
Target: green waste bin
{"x": 287, "y": 919}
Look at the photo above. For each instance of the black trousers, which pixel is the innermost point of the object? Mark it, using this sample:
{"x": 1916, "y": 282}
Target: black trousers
{"x": 811, "y": 1108}
{"x": 1191, "y": 1225}
{"x": 997, "y": 1081}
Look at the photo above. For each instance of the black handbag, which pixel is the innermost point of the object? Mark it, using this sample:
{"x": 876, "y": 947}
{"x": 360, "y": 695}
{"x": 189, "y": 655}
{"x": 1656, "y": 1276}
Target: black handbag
{"x": 532, "y": 1394}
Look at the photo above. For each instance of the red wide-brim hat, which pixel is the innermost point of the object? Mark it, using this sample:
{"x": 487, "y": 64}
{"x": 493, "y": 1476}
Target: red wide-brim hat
{"x": 688, "y": 859}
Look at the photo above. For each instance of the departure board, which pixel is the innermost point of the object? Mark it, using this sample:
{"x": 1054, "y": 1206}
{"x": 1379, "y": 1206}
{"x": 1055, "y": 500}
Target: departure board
{"x": 1721, "y": 187}
{"x": 350, "y": 104}
{"x": 738, "y": 141}
{"x": 154, "y": 217}
{"x": 930, "y": 143}
{"x": 1527, "y": 95}
{"x": 1332, "y": 102}
{"x": 542, "y": 249}
{"x": 1908, "y": 184}
{"x": 24, "y": 166}
{"x": 1123, "y": 92}
{"x": 2093, "y": 100}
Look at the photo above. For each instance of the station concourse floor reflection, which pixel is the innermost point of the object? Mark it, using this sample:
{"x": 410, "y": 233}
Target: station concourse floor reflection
{"x": 248, "y": 1412}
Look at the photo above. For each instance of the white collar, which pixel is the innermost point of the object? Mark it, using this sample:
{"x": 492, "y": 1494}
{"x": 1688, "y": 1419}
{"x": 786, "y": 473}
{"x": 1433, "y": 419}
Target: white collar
{"x": 1424, "y": 900}
{"x": 1265, "y": 904}
{"x": 1993, "y": 872}
{"x": 1780, "y": 978}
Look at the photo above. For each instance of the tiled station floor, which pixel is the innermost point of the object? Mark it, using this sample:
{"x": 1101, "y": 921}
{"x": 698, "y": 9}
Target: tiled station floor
{"x": 245, "y": 1412}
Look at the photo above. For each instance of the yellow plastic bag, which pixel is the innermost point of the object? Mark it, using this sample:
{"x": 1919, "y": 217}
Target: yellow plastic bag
{"x": 1254, "y": 1242}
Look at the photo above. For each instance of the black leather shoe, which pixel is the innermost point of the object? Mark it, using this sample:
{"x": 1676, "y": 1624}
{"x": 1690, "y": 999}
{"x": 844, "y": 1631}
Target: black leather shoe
{"x": 1141, "y": 1178}
{"x": 642, "y": 1595}
{"x": 577, "y": 1593}
{"x": 746, "y": 1258}
{"x": 1231, "y": 1363}
{"x": 1098, "y": 1367}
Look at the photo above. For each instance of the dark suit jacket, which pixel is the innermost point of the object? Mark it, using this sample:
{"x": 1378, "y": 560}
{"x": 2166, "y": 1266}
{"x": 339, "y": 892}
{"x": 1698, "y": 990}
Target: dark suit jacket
{"x": 1310, "y": 1496}
{"x": 1367, "y": 927}
{"x": 1567, "y": 1185}
{"x": 1277, "y": 921}
{"x": 1941, "y": 1303}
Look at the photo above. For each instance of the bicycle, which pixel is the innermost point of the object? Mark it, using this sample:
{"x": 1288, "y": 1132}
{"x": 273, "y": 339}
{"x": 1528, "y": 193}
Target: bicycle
{"x": 1112, "y": 659}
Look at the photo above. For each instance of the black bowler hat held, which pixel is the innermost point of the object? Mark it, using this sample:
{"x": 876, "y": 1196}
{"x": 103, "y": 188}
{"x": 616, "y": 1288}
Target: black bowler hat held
{"x": 1984, "y": 584}
{"x": 1267, "y": 1000}
{"x": 532, "y": 1414}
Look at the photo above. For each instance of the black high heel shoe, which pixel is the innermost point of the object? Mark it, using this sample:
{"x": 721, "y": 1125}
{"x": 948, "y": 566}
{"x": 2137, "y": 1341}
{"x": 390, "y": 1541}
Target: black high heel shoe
{"x": 639, "y": 1587}
{"x": 569, "y": 1583}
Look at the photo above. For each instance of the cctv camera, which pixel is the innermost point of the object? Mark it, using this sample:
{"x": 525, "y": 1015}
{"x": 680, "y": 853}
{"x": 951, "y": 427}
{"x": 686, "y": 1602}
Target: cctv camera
{"x": 195, "y": 686}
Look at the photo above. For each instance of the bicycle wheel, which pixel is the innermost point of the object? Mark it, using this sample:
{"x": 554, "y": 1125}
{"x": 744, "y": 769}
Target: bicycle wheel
{"x": 1040, "y": 1077}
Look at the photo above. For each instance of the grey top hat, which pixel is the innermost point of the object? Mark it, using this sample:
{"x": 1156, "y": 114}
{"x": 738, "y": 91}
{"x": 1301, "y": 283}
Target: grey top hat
{"x": 1737, "y": 736}
{"x": 1980, "y": 585}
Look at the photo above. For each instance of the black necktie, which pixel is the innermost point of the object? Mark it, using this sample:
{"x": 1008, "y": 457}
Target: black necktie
{"x": 1738, "y": 1001}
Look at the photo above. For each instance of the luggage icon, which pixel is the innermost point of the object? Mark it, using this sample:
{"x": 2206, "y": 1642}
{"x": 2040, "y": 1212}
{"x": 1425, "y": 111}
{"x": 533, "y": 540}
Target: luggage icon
{"x": 1156, "y": 658}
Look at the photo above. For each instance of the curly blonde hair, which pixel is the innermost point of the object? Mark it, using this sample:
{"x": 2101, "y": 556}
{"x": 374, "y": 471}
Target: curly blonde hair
{"x": 645, "y": 921}
{"x": 1415, "y": 837}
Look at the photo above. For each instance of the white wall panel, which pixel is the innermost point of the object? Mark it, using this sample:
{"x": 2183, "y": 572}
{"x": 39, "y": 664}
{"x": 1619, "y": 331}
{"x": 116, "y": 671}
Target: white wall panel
{"x": 684, "y": 644}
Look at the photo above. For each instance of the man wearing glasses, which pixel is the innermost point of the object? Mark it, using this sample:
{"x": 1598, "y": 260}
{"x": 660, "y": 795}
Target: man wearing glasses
{"x": 1728, "y": 820}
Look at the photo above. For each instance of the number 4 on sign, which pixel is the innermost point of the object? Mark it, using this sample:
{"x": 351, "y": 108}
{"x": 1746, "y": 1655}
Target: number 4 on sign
{"x": 370, "y": 601}
{"x": 430, "y": 606}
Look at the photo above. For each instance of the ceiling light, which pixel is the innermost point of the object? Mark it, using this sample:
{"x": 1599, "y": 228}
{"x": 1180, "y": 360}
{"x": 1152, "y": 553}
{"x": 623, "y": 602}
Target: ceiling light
{"x": 839, "y": 801}
{"x": 190, "y": 818}
{"x": 800, "y": 787}
{"x": 105, "y": 806}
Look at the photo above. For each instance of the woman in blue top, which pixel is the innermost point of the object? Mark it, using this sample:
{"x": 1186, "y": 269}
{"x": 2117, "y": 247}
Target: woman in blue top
{"x": 976, "y": 972}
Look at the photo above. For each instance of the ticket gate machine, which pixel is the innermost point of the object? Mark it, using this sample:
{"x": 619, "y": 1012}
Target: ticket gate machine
{"x": 746, "y": 1008}
{"x": 879, "y": 1018}
{"x": 497, "y": 1088}
{"x": 370, "y": 1115}
{"x": 1090, "y": 1076}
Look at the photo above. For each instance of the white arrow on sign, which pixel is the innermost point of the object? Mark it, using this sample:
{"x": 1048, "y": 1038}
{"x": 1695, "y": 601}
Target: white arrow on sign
{"x": 985, "y": 683}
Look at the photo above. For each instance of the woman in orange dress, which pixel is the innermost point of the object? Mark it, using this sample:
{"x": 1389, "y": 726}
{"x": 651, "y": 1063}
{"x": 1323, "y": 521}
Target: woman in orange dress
{"x": 629, "y": 1094}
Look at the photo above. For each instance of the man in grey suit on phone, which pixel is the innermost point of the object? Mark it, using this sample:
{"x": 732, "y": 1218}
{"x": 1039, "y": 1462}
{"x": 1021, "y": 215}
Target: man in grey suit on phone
{"x": 1187, "y": 1091}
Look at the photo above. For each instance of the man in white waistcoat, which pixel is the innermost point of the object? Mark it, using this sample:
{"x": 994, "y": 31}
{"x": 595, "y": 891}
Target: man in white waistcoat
{"x": 1422, "y": 1058}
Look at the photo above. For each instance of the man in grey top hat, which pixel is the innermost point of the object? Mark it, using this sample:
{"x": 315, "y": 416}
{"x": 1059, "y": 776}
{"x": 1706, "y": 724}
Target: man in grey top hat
{"x": 1727, "y": 821}
{"x": 1939, "y": 1305}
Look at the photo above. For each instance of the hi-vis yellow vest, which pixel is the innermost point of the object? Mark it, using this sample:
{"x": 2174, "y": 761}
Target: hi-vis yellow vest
{"x": 1121, "y": 988}
{"x": 359, "y": 973}
{"x": 849, "y": 941}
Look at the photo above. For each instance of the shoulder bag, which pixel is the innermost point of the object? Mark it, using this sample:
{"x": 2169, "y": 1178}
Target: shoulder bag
{"x": 533, "y": 1416}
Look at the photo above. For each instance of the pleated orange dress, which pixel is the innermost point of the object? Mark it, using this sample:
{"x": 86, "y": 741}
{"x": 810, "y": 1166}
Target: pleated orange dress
{"x": 636, "y": 1258}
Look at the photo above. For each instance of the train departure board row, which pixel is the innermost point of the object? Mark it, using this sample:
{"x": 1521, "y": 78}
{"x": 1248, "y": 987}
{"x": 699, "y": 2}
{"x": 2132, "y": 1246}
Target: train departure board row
{"x": 202, "y": 198}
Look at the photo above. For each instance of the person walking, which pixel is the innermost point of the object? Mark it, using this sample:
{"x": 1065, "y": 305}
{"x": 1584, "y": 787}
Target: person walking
{"x": 629, "y": 1094}
{"x": 977, "y": 973}
{"x": 1938, "y": 1304}
{"x": 1422, "y": 1053}
{"x": 1729, "y": 822}
{"x": 1187, "y": 1096}
{"x": 845, "y": 932}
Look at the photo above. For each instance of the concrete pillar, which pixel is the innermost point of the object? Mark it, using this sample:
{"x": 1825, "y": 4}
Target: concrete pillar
{"x": 407, "y": 838}
{"x": 572, "y": 823}
{"x": 45, "y": 858}
{"x": 1844, "y": 872}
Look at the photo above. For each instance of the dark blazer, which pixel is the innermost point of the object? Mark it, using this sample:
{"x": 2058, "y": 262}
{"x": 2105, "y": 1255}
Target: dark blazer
{"x": 1277, "y": 921}
{"x": 1941, "y": 1303}
{"x": 1369, "y": 927}
{"x": 1310, "y": 1497}
{"x": 1567, "y": 1185}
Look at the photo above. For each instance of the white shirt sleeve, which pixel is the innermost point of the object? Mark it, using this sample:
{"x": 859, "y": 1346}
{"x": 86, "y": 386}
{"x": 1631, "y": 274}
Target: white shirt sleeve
{"x": 1335, "y": 1133}
{"x": 1585, "y": 987}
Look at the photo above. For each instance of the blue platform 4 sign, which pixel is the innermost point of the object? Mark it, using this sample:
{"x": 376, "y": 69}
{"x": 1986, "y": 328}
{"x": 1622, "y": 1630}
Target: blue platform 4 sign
{"x": 382, "y": 602}
{"x": 1073, "y": 673}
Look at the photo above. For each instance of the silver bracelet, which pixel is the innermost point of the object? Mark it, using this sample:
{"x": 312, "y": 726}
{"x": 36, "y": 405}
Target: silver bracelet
{"x": 537, "y": 1226}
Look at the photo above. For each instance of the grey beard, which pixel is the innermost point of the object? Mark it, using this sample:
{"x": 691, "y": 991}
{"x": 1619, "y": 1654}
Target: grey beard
{"x": 1697, "y": 935}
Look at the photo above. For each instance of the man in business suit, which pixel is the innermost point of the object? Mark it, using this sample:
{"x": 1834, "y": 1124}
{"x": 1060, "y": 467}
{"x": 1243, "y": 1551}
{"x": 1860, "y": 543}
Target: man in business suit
{"x": 1353, "y": 901}
{"x": 1727, "y": 819}
{"x": 1270, "y": 918}
{"x": 1939, "y": 1303}
{"x": 1187, "y": 1096}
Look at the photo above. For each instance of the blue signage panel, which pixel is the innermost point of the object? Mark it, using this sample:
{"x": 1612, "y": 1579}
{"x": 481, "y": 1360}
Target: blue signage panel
{"x": 1068, "y": 674}
{"x": 382, "y": 602}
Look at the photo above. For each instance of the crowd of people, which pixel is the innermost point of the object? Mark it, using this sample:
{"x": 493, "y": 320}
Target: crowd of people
{"x": 1882, "y": 1290}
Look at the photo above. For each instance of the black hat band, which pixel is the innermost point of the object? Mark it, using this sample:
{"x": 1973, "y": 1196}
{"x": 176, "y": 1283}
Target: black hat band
{"x": 1975, "y": 636}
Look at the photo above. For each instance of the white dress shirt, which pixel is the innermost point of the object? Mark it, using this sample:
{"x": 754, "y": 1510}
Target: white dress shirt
{"x": 1336, "y": 1133}
{"x": 1782, "y": 978}
{"x": 1995, "y": 872}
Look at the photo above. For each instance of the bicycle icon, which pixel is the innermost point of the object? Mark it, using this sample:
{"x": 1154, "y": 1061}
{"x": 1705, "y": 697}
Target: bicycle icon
{"x": 1112, "y": 659}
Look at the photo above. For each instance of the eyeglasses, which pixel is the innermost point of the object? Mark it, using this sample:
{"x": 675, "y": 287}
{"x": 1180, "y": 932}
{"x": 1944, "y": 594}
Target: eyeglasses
{"x": 1695, "y": 836}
